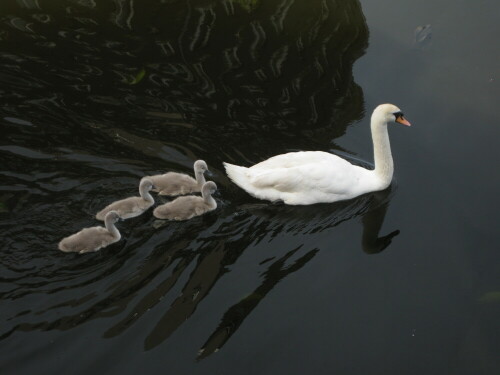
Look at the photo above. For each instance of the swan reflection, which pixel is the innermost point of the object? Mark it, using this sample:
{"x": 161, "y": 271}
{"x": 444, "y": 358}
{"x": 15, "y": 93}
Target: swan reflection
{"x": 373, "y": 208}
{"x": 237, "y": 313}
{"x": 372, "y": 223}
{"x": 210, "y": 256}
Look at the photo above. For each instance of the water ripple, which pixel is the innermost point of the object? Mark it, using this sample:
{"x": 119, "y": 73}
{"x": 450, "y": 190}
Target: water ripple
{"x": 99, "y": 94}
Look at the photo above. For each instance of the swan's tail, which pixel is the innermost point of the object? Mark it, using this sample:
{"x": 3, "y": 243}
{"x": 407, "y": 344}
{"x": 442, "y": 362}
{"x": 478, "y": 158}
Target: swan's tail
{"x": 238, "y": 175}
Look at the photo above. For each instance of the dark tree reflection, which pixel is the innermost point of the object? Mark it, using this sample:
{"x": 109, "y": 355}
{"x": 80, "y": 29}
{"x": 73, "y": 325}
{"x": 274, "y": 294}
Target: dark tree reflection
{"x": 96, "y": 94}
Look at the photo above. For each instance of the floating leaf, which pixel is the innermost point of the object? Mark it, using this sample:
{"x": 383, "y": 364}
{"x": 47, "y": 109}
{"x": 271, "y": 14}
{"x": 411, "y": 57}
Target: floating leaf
{"x": 490, "y": 297}
{"x": 423, "y": 36}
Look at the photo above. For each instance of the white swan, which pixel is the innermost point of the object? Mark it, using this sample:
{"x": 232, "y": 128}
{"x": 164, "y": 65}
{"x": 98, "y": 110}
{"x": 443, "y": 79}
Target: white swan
{"x": 308, "y": 177}
{"x": 185, "y": 208}
{"x": 133, "y": 206}
{"x": 92, "y": 239}
{"x": 173, "y": 183}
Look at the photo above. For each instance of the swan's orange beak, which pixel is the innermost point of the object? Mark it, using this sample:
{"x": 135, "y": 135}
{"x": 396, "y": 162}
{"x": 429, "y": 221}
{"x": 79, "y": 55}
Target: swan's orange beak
{"x": 403, "y": 121}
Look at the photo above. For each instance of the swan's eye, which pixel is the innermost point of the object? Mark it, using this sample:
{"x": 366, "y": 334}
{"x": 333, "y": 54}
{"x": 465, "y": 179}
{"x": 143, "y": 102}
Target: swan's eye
{"x": 398, "y": 115}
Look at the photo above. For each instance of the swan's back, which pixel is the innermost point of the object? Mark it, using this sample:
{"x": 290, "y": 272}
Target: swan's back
{"x": 133, "y": 206}
{"x": 87, "y": 240}
{"x": 126, "y": 208}
{"x": 299, "y": 158}
{"x": 182, "y": 208}
{"x": 173, "y": 183}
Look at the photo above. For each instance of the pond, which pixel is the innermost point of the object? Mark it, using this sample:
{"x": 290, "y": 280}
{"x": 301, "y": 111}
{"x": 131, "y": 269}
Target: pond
{"x": 97, "y": 94}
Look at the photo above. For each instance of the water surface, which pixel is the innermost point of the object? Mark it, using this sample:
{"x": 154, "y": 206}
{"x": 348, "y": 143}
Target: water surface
{"x": 96, "y": 95}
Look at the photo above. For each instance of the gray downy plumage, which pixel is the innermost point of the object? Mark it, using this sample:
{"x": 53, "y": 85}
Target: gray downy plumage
{"x": 185, "y": 208}
{"x": 173, "y": 183}
{"x": 133, "y": 206}
{"x": 94, "y": 238}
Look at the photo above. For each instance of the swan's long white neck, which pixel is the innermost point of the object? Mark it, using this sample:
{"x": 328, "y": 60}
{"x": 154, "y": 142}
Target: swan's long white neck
{"x": 207, "y": 197}
{"x": 200, "y": 177}
{"x": 145, "y": 194}
{"x": 110, "y": 226}
{"x": 384, "y": 166}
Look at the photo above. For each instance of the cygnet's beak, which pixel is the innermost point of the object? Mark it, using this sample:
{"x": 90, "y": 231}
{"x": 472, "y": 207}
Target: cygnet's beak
{"x": 208, "y": 173}
{"x": 403, "y": 121}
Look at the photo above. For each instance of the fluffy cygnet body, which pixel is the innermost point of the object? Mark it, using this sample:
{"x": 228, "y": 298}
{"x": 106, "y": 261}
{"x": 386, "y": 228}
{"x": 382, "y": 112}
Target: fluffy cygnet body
{"x": 173, "y": 183}
{"x": 94, "y": 238}
{"x": 133, "y": 206}
{"x": 185, "y": 208}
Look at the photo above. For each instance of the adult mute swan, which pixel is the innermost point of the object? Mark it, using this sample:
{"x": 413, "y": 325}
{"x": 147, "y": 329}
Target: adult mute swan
{"x": 92, "y": 239}
{"x": 133, "y": 206}
{"x": 308, "y": 177}
{"x": 185, "y": 208}
{"x": 173, "y": 183}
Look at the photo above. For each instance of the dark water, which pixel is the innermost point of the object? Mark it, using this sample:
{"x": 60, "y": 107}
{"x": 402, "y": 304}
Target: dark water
{"x": 96, "y": 94}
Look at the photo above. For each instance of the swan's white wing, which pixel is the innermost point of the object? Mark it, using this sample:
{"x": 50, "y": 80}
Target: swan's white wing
{"x": 303, "y": 178}
{"x": 281, "y": 179}
{"x": 295, "y": 159}
{"x": 88, "y": 239}
{"x": 325, "y": 177}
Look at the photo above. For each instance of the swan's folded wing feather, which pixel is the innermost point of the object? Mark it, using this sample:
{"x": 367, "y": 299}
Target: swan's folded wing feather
{"x": 88, "y": 239}
{"x": 319, "y": 177}
{"x": 287, "y": 179}
{"x": 127, "y": 205}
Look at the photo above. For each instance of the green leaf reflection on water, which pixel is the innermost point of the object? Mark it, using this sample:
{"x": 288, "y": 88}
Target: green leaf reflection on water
{"x": 248, "y": 5}
{"x": 139, "y": 76}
